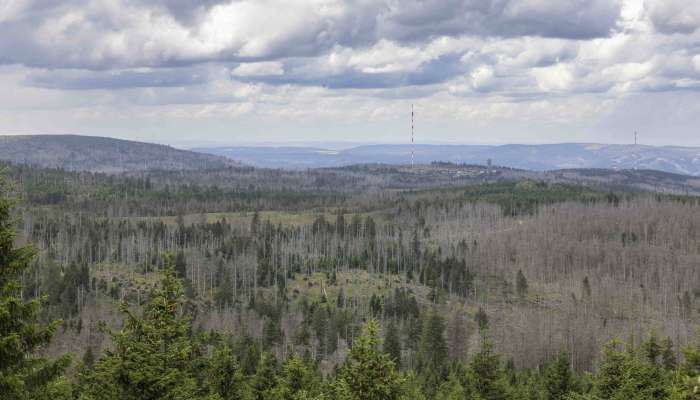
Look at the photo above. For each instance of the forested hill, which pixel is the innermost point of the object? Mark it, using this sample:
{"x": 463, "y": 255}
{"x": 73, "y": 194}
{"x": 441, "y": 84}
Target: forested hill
{"x": 98, "y": 154}
{"x": 544, "y": 157}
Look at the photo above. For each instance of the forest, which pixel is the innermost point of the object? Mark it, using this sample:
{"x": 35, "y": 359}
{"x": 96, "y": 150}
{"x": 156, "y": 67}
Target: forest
{"x": 366, "y": 282}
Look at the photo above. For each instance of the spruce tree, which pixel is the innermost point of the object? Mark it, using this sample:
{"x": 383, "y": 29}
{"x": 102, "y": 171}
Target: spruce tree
{"x": 586, "y": 288}
{"x": 628, "y": 375}
{"x": 181, "y": 265}
{"x": 481, "y": 319}
{"x": 686, "y": 381}
{"x": 432, "y": 353}
{"x": 153, "y": 356}
{"x": 652, "y": 348}
{"x": 23, "y": 375}
{"x": 296, "y": 381}
{"x": 263, "y": 382}
{"x": 521, "y": 285}
{"x": 392, "y": 343}
{"x": 225, "y": 377}
{"x": 668, "y": 356}
{"x": 368, "y": 373}
{"x": 451, "y": 389}
{"x": 557, "y": 378}
{"x": 485, "y": 374}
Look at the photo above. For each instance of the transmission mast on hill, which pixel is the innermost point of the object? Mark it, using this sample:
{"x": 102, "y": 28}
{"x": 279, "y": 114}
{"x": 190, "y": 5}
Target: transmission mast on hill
{"x": 412, "y": 145}
{"x": 635, "y": 138}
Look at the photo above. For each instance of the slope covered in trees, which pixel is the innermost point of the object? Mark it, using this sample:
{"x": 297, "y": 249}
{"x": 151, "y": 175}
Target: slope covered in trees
{"x": 99, "y": 154}
{"x": 241, "y": 283}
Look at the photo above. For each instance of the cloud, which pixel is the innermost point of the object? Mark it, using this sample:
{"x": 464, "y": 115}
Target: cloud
{"x": 121, "y": 79}
{"x": 105, "y": 34}
{"x": 571, "y": 19}
{"x": 270, "y": 68}
{"x": 340, "y": 59}
{"x": 674, "y": 16}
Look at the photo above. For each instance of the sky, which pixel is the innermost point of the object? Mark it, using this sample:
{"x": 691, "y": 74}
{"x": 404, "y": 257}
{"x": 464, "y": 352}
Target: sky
{"x": 188, "y": 72}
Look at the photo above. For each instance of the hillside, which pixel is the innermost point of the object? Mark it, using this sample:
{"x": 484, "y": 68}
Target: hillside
{"x": 679, "y": 160}
{"x": 98, "y": 154}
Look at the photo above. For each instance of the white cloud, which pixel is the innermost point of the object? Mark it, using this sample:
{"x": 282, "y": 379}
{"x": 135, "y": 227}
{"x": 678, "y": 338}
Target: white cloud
{"x": 499, "y": 62}
{"x": 259, "y": 69}
{"x": 674, "y": 16}
{"x": 559, "y": 77}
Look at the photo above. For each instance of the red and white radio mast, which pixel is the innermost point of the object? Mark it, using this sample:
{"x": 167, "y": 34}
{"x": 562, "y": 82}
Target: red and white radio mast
{"x": 412, "y": 145}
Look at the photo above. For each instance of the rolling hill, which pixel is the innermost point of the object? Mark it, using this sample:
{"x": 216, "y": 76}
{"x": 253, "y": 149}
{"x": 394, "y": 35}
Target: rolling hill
{"x": 99, "y": 154}
{"x": 679, "y": 160}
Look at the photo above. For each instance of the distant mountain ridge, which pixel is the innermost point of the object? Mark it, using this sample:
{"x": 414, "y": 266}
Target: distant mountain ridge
{"x": 674, "y": 159}
{"x": 100, "y": 154}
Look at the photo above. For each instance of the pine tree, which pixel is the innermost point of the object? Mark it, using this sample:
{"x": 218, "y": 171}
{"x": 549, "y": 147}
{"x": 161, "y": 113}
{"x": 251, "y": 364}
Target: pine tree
{"x": 432, "y": 353}
{"x": 89, "y": 358}
{"x": 392, "y": 343}
{"x": 340, "y": 301}
{"x": 485, "y": 374}
{"x": 668, "y": 356}
{"x": 272, "y": 333}
{"x": 521, "y": 285}
{"x": 451, "y": 389}
{"x": 296, "y": 381}
{"x": 181, "y": 265}
{"x": 153, "y": 356}
{"x": 557, "y": 378}
{"x": 586, "y": 288}
{"x": 628, "y": 375}
{"x": 263, "y": 382}
{"x": 652, "y": 348}
{"x": 368, "y": 373}
{"x": 320, "y": 324}
{"x": 225, "y": 378}
{"x": 686, "y": 381}
{"x": 481, "y": 319}
{"x": 22, "y": 374}
{"x": 224, "y": 294}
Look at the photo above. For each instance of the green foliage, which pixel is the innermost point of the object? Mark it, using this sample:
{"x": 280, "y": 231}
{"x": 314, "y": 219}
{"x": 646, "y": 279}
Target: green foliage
{"x": 392, "y": 343}
{"x": 368, "y": 373}
{"x": 521, "y": 285}
{"x": 557, "y": 378}
{"x": 486, "y": 377}
{"x": 263, "y": 382}
{"x": 225, "y": 377}
{"x": 154, "y": 356}
{"x": 23, "y": 375}
{"x": 451, "y": 389}
{"x": 628, "y": 374}
{"x": 297, "y": 381}
{"x": 686, "y": 381}
{"x": 432, "y": 352}
{"x": 519, "y": 198}
{"x": 481, "y": 319}
{"x": 668, "y": 356}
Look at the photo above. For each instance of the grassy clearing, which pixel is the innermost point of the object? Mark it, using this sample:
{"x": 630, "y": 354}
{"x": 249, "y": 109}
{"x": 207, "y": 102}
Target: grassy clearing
{"x": 356, "y": 283}
{"x": 285, "y": 218}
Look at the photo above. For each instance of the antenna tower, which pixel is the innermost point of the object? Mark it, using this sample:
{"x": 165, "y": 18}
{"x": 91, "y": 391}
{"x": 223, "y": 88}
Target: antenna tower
{"x": 412, "y": 145}
{"x": 635, "y": 138}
